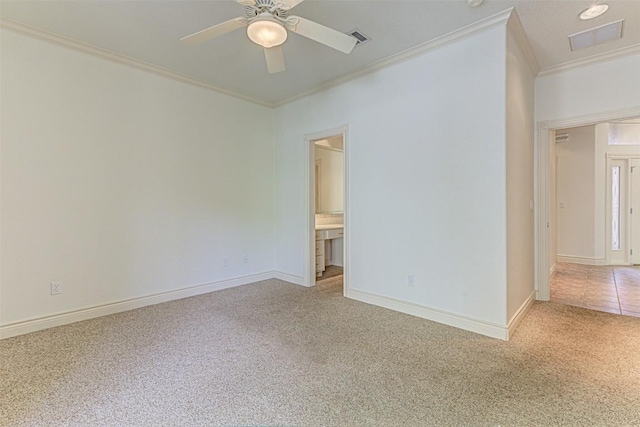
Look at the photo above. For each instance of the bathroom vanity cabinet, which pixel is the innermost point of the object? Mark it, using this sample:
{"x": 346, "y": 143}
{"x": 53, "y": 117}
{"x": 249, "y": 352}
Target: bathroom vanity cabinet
{"x": 324, "y": 235}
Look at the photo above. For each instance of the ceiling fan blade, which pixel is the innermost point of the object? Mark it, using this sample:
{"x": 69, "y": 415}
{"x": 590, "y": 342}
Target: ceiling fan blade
{"x": 215, "y": 31}
{"x": 275, "y": 59}
{"x": 288, "y": 4}
{"x": 322, "y": 34}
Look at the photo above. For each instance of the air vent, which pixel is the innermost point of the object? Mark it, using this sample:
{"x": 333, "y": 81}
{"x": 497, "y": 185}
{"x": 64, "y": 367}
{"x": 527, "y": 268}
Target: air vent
{"x": 358, "y": 35}
{"x": 562, "y": 137}
{"x": 602, "y": 34}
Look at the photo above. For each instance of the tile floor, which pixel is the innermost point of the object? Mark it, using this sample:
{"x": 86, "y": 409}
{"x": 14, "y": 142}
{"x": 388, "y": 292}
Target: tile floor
{"x": 614, "y": 289}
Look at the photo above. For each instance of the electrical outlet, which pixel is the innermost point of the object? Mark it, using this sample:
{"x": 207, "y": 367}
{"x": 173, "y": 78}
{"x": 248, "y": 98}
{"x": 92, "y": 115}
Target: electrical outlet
{"x": 225, "y": 262}
{"x": 411, "y": 280}
{"x": 245, "y": 259}
{"x": 56, "y": 287}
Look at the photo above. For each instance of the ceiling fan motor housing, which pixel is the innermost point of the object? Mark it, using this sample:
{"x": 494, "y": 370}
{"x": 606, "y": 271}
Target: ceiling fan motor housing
{"x": 274, "y": 8}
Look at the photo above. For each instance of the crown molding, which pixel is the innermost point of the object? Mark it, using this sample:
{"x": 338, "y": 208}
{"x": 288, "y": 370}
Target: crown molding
{"x": 515, "y": 26}
{"x": 120, "y": 59}
{"x": 500, "y": 18}
{"x": 506, "y": 17}
{"x": 601, "y": 57}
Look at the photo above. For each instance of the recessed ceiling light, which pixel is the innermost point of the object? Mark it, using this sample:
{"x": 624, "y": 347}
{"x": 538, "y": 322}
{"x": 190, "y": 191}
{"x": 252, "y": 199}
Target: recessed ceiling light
{"x": 474, "y": 3}
{"x": 594, "y": 11}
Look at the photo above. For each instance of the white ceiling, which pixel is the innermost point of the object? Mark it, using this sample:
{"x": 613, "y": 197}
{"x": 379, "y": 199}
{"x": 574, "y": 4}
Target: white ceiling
{"x": 149, "y": 30}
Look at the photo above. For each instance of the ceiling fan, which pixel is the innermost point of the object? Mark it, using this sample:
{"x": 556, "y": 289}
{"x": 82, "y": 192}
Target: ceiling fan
{"x": 267, "y": 22}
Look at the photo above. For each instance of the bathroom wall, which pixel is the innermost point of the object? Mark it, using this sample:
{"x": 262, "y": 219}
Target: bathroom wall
{"x": 331, "y": 180}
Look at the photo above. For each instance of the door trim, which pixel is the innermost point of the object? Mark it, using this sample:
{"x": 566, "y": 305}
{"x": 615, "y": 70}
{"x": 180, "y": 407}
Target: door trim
{"x": 541, "y": 185}
{"x": 626, "y": 205}
{"x": 634, "y": 203}
{"x": 310, "y": 204}
{"x": 620, "y": 256}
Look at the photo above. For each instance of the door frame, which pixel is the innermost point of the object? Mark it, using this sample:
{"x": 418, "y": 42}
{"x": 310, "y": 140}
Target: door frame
{"x": 626, "y": 204}
{"x": 634, "y": 204}
{"x": 310, "y": 204}
{"x": 541, "y": 185}
{"x": 625, "y": 198}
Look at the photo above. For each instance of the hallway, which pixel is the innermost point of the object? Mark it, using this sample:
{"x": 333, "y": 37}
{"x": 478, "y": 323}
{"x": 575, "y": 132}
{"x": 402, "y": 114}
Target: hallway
{"x": 614, "y": 289}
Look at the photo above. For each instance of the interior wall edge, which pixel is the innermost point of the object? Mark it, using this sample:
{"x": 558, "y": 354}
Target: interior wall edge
{"x": 514, "y": 26}
{"x": 520, "y": 314}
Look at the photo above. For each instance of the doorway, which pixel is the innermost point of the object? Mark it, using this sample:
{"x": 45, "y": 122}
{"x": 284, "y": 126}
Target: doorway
{"x": 327, "y": 213}
{"x": 545, "y": 194}
{"x": 592, "y": 191}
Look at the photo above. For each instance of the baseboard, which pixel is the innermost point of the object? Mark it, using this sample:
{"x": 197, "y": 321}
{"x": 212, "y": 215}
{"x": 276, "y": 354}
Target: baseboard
{"x": 553, "y": 269}
{"x": 291, "y": 278}
{"x": 474, "y": 325}
{"x": 489, "y": 329}
{"x": 581, "y": 260}
{"x": 522, "y": 311}
{"x": 40, "y": 323}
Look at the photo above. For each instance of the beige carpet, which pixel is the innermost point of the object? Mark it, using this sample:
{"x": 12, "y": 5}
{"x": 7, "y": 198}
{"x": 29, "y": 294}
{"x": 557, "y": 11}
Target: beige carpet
{"x": 277, "y": 354}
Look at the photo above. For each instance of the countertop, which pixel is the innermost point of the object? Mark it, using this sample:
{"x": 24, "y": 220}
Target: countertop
{"x": 329, "y": 226}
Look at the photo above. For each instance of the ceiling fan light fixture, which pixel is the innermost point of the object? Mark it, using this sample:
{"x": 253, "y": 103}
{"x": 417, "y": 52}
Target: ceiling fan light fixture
{"x": 267, "y": 33}
{"x": 593, "y": 11}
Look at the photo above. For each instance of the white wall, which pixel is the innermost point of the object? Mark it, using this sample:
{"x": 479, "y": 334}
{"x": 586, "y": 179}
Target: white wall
{"x": 121, "y": 183}
{"x": 431, "y": 204}
{"x": 332, "y": 180}
{"x": 594, "y": 88}
{"x": 124, "y": 184}
{"x": 519, "y": 176}
{"x": 624, "y": 134}
{"x": 575, "y": 189}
